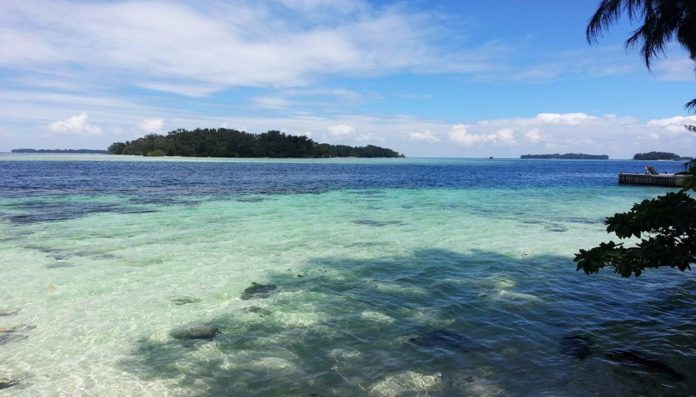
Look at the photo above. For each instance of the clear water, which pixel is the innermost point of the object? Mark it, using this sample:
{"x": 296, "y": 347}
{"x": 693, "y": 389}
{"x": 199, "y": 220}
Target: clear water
{"x": 106, "y": 256}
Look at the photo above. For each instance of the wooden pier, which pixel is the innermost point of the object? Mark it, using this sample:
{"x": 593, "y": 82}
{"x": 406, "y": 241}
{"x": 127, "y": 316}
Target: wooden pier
{"x": 653, "y": 180}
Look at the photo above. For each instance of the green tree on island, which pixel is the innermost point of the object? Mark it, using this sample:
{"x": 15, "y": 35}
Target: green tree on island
{"x": 225, "y": 142}
{"x": 665, "y": 225}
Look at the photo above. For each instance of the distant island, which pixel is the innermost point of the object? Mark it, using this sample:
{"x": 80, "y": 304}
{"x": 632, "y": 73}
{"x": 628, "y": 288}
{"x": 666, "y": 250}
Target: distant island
{"x": 82, "y": 151}
{"x": 660, "y": 156}
{"x": 567, "y": 156}
{"x": 223, "y": 142}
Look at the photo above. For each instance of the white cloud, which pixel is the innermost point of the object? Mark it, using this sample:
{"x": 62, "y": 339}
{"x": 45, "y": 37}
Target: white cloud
{"x": 674, "y": 125}
{"x": 533, "y": 135}
{"x": 75, "y": 125}
{"x": 272, "y": 102}
{"x": 151, "y": 126}
{"x": 177, "y": 47}
{"x": 563, "y": 119}
{"x": 505, "y": 136}
{"x": 425, "y": 136}
{"x": 461, "y": 134}
{"x": 341, "y": 129}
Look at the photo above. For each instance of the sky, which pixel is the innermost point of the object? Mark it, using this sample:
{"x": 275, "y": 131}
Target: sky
{"x": 427, "y": 78}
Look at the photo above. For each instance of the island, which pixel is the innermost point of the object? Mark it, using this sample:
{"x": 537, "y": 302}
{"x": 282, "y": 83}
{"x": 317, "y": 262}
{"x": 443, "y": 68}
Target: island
{"x": 80, "y": 151}
{"x": 224, "y": 142}
{"x": 660, "y": 156}
{"x": 567, "y": 156}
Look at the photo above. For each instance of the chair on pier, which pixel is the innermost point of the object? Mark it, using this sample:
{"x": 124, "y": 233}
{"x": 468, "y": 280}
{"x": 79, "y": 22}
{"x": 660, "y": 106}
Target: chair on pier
{"x": 651, "y": 170}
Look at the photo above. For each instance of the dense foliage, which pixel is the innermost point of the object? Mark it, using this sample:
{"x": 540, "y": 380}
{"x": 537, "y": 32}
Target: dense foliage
{"x": 567, "y": 156}
{"x": 659, "y": 156}
{"x": 666, "y": 226}
{"x": 223, "y": 142}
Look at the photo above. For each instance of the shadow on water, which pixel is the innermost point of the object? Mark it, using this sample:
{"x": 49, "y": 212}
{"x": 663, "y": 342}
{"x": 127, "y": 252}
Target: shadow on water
{"x": 435, "y": 322}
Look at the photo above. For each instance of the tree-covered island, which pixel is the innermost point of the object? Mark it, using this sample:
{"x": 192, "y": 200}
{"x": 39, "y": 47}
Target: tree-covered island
{"x": 660, "y": 156}
{"x": 224, "y": 142}
{"x": 567, "y": 156}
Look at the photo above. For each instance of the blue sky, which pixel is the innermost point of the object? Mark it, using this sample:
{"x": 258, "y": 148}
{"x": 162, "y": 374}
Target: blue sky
{"x": 445, "y": 78}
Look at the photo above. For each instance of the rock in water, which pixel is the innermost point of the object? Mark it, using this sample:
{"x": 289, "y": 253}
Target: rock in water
{"x": 7, "y": 337}
{"x": 258, "y": 291}
{"x": 444, "y": 339}
{"x": 407, "y": 383}
{"x": 578, "y": 346}
{"x": 195, "y": 331}
{"x": 185, "y": 300}
{"x": 635, "y": 358}
{"x": 8, "y": 312}
{"x": 7, "y": 383}
{"x": 257, "y": 310}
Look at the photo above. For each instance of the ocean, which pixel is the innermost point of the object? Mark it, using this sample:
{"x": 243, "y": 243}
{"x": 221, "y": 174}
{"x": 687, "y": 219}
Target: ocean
{"x": 331, "y": 277}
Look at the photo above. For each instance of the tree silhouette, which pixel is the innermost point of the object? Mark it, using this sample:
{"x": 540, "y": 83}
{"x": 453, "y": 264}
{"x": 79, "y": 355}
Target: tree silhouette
{"x": 662, "y": 21}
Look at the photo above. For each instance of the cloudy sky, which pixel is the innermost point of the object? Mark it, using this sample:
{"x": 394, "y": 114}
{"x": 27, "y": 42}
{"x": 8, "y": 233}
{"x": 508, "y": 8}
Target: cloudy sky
{"x": 445, "y": 78}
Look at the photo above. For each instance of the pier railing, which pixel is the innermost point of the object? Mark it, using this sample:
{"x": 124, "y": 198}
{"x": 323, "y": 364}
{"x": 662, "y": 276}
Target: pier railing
{"x": 654, "y": 180}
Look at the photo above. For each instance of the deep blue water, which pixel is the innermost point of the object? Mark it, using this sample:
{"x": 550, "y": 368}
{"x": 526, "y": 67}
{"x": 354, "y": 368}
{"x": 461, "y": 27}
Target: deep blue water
{"x": 186, "y": 178}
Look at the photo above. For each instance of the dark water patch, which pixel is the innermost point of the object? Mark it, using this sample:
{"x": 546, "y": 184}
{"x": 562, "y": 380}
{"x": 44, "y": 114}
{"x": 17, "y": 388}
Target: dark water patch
{"x": 258, "y": 291}
{"x": 195, "y": 331}
{"x": 54, "y": 253}
{"x": 7, "y": 383}
{"x": 59, "y": 265}
{"x": 37, "y": 212}
{"x": 63, "y": 254}
{"x": 643, "y": 362}
{"x": 185, "y": 300}
{"x": 532, "y": 222}
{"x": 368, "y": 193}
{"x": 15, "y": 333}
{"x": 257, "y": 310}
{"x": 447, "y": 340}
{"x": 7, "y": 337}
{"x": 586, "y": 221}
{"x": 556, "y": 229}
{"x": 360, "y": 333}
{"x": 133, "y": 210}
{"x": 250, "y": 199}
{"x": 577, "y": 346}
{"x": 8, "y": 312}
{"x": 375, "y": 223}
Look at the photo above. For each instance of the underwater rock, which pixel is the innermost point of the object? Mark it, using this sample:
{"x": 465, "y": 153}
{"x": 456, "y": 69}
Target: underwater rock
{"x": 185, "y": 300}
{"x": 8, "y": 312}
{"x": 374, "y": 223}
{"x": 640, "y": 360}
{"x": 7, "y": 337}
{"x": 407, "y": 383}
{"x": 516, "y": 297}
{"x": 7, "y": 383}
{"x": 11, "y": 334}
{"x": 258, "y": 291}
{"x": 578, "y": 346}
{"x": 58, "y": 265}
{"x": 443, "y": 339}
{"x": 18, "y": 328}
{"x": 257, "y": 310}
{"x": 250, "y": 200}
{"x": 195, "y": 331}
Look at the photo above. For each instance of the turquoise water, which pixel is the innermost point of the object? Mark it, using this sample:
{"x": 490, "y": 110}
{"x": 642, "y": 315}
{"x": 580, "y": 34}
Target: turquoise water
{"x": 392, "y": 278}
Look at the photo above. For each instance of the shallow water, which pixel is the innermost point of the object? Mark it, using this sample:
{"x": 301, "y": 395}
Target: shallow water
{"x": 395, "y": 277}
